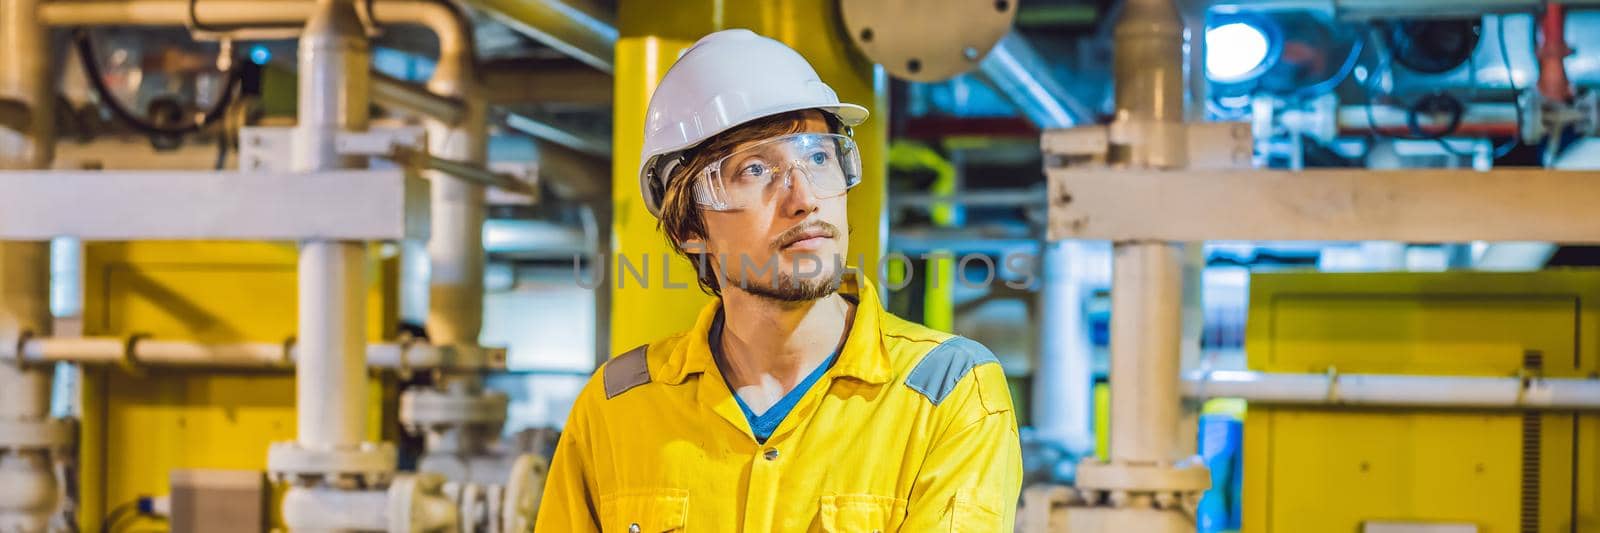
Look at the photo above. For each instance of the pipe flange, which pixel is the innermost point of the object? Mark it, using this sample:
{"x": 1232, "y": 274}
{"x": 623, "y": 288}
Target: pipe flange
{"x": 429, "y": 407}
{"x": 375, "y": 459}
{"x": 42, "y": 434}
{"x": 1138, "y": 478}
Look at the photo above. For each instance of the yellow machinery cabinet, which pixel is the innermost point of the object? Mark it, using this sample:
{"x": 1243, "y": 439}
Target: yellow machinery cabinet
{"x": 1331, "y": 469}
{"x": 140, "y": 423}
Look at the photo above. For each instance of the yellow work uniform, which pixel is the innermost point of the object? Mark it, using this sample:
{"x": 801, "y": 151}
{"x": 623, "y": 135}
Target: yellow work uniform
{"x": 910, "y": 430}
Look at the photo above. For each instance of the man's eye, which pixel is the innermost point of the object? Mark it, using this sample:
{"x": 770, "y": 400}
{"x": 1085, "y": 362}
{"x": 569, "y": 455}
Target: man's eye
{"x": 754, "y": 170}
{"x": 819, "y": 158}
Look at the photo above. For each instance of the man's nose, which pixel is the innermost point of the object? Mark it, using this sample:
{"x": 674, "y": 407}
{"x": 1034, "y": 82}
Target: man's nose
{"x": 800, "y": 198}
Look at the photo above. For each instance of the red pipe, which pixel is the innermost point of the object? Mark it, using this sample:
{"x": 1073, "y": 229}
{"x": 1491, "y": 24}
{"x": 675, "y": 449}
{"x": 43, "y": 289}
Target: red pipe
{"x": 1553, "y": 84}
{"x": 1465, "y": 131}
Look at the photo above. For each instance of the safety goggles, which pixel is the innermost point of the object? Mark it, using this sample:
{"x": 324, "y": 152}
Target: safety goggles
{"x": 756, "y": 174}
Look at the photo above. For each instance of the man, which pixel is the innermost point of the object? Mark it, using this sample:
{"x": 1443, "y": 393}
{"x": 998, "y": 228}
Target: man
{"x": 795, "y": 403}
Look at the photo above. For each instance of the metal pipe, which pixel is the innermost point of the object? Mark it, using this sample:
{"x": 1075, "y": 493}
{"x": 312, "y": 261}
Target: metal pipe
{"x": 579, "y": 34}
{"x": 1147, "y": 278}
{"x": 454, "y": 170}
{"x": 390, "y": 92}
{"x": 1145, "y": 333}
{"x": 330, "y": 379}
{"x": 586, "y": 144}
{"x": 28, "y": 486}
{"x": 458, "y": 210}
{"x": 1553, "y": 52}
{"x": 1064, "y": 414}
{"x": 324, "y": 509}
{"x": 452, "y": 28}
{"x": 1017, "y": 70}
{"x": 1378, "y": 390}
{"x": 262, "y": 355}
{"x": 1356, "y": 10}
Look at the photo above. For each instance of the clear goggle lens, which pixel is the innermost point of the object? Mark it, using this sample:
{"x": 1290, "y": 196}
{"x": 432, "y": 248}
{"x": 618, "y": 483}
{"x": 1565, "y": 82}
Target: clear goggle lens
{"x": 757, "y": 174}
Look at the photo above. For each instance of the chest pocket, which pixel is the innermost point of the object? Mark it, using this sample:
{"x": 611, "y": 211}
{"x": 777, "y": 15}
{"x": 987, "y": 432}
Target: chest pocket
{"x": 644, "y": 511}
{"x": 862, "y": 513}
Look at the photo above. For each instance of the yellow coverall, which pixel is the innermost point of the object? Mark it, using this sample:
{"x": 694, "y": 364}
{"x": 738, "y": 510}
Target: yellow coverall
{"x": 910, "y": 430}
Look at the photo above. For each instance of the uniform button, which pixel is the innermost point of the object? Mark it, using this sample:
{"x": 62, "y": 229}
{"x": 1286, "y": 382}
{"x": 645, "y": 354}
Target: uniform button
{"x": 633, "y": 528}
{"x": 771, "y": 455}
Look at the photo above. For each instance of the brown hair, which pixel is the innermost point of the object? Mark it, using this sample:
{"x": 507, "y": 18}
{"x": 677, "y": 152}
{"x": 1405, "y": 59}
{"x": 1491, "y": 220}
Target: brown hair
{"x": 681, "y": 218}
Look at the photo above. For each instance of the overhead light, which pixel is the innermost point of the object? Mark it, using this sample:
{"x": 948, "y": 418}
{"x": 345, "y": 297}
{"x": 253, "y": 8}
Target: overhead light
{"x": 1236, "y": 51}
{"x": 260, "y": 54}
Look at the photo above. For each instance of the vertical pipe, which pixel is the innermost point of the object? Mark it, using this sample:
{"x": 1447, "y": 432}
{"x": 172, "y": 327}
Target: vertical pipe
{"x": 1553, "y": 52}
{"x": 1145, "y": 333}
{"x": 1061, "y": 397}
{"x": 330, "y": 375}
{"x": 1147, "y": 286}
{"x": 455, "y": 241}
{"x": 27, "y": 481}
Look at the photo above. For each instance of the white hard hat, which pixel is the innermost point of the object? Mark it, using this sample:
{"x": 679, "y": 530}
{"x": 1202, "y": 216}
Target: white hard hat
{"x": 726, "y": 79}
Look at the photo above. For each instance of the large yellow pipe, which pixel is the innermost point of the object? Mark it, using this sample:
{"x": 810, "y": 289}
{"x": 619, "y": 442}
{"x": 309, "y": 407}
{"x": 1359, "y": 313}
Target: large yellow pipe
{"x": 653, "y": 33}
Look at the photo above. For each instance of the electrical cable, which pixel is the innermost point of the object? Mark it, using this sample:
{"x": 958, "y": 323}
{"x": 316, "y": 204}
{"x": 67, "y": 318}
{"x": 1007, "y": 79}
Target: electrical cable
{"x": 1511, "y": 80}
{"x": 1441, "y": 101}
{"x": 91, "y": 67}
{"x": 118, "y": 514}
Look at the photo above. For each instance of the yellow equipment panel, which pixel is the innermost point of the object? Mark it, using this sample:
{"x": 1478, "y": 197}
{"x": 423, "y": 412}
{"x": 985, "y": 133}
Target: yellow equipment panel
{"x": 1330, "y": 469}
{"x": 138, "y": 424}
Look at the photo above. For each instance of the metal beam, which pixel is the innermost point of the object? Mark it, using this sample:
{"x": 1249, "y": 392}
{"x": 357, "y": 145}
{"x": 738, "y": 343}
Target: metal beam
{"x": 357, "y": 205}
{"x": 583, "y": 34}
{"x": 1414, "y": 205}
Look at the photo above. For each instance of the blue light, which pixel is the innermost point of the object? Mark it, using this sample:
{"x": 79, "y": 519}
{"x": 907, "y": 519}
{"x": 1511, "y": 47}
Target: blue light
{"x": 259, "y": 54}
{"x": 1235, "y": 52}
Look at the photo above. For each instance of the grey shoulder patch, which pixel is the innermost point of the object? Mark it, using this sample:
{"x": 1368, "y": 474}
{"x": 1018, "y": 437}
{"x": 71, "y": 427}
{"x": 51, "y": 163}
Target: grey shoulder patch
{"x": 627, "y": 371}
{"x": 944, "y": 366}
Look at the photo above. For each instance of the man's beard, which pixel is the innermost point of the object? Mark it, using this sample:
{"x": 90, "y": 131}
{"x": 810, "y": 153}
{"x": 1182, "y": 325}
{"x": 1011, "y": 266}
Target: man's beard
{"x": 790, "y": 289}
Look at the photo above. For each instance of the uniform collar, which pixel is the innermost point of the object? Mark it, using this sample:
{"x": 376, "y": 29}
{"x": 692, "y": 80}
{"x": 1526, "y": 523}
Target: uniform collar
{"x": 862, "y": 357}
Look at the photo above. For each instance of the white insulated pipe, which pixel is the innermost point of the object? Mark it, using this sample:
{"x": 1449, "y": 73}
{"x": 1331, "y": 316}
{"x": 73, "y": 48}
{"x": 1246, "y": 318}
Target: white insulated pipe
{"x": 1147, "y": 277}
{"x": 1379, "y": 390}
{"x": 330, "y": 377}
{"x": 265, "y": 355}
{"x": 325, "y": 509}
{"x": 457, "y": 209}
{"x": 1146, "y": 319}
{"x": 1062, "y": 411}
{"x": 28, "y": 487}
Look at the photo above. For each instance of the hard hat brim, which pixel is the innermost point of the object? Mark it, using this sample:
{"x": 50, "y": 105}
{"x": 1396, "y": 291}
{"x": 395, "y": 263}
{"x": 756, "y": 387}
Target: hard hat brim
{"x": 850, "y": 115}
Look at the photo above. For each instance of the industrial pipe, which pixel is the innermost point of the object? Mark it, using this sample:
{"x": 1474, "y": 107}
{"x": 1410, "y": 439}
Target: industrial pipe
{"x": 578, "y": 34}
{"x": 1147, "y": 286}
{"x": 394, "y": 93}
{"x": 28, "y": 485}
{"x": 323, "y": 509}
{"x": 262, "y": 355}
{"x": 1378, "y": 390}
{"x": 1357, "y": 10}
{"x": 452, "y": 28}
{"x": 1553, "y": 52}
{"x": 1017, "y": 70}
{"x": 330, "y": 378}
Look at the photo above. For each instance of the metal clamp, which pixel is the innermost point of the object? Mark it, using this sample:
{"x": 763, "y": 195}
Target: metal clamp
{"x": 41, "y": 434}
{"x": 1333, "y": 385}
